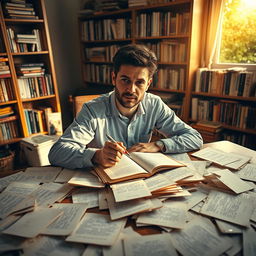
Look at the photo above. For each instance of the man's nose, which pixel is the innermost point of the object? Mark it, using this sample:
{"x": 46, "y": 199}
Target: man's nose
{"x": 131, "y": 87}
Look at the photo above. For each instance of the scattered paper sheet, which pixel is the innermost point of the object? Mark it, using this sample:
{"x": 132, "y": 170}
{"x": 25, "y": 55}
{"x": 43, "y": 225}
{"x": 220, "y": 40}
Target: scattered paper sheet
{"x": 172, "y": 215}
{"x": 178, "y": 173}
{"x": 248, "y": 172}
{"x": 199, "y": 237}
{"x": 10, "y": 243}
{"x": 11, "y": 202}
{"x": 123, "y": 209}
{"x": 93, "y": 250}
{"x": 32, "y": 223}
{"x": 86, "y": 179}
{"x": 49, "y": 193}
{"x": 21, "y": 188}
{"x": 232, "y": 181}
{"x": 5, "y": 181}
{"x": 66, "y": 223}
{"x": 103, "y": 203}
{"x": 157, "y": 182}
{"x": 97, "y": 229}
{"x": 129, "y": 190}
{"x": 150, "y": 245}
{"x": 65, "y": 175}
{"x": 249, "y": 242}
{"x": 42, "y": 174}
{"x": 228, "y": 228}
{"x": 232, "y": 208}
{"x": 88, "y": 196}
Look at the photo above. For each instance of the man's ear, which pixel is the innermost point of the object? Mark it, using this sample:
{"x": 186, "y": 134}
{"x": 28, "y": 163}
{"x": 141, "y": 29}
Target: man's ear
{"x": 149, "y": 82}
{"x": 113, "y": 76}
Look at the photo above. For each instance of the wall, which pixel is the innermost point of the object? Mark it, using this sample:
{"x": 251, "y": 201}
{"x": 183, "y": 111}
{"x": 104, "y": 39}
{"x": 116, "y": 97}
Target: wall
{"x": 63, "y": 27}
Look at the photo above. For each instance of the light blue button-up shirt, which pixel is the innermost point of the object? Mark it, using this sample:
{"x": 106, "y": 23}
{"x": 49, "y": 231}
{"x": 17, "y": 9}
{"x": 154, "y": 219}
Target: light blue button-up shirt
{"x": 76, "y": 147}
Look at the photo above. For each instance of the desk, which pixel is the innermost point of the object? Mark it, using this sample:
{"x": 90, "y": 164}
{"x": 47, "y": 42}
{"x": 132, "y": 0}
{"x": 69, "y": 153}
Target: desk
{"x": 222, "y": 145}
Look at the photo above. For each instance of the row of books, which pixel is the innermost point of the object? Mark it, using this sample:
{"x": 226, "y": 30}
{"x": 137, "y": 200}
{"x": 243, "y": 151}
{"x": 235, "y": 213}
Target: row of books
{"x": 136, "y": 3}
{"x": 104, "y": 54}
{"x": 169, "y": 78}
{"x": 33, "y": 87}
{"x": 98, "y": 73}
{"x": 233, "y": 82}
{"x": 24, "y": 42}
{"x": 169, "y": 50}
{"x": 227, "y": 112}
{"x": 6, "y": 111}
{"x": 162, "y": 24}
{"x": 4, "y": 68}
{"x": 19, "y": 9}
{"x": 43, "y": 119}
{"x": 8, "y": 128}
{"x": 106, "y": 29}
{"x": 6, "y": 92}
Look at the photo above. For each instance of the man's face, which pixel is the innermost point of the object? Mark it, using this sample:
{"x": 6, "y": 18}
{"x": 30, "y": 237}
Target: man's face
{"x": 131, "y": 83}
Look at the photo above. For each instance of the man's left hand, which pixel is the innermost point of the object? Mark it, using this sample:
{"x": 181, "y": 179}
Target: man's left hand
{"x": 144, "y": 147}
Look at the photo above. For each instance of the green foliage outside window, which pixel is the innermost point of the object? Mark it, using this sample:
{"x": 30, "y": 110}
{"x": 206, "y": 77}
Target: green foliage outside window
{"x": 238, "y": 41}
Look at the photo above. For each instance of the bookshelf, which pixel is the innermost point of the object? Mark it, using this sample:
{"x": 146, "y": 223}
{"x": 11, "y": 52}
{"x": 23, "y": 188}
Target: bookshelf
{"x": 227, "y": 96}
{"x": 171, "y": 29}
{"x": 31, "y": 84}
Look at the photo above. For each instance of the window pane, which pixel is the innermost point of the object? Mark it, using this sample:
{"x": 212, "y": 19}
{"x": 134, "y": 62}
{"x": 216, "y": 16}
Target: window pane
{"x": 238, "y": 40}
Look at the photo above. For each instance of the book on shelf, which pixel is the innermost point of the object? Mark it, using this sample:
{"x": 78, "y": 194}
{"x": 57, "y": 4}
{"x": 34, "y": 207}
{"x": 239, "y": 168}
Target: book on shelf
{"x": 138, "y": 165}
{"x": 54, "y": 123}
{"x": 19, "y": 10}
{"x": 208, "y": 126}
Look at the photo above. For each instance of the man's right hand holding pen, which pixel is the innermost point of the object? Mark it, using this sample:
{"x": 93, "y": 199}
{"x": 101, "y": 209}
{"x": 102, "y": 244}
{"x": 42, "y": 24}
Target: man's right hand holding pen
{"x": 110, "y": 154}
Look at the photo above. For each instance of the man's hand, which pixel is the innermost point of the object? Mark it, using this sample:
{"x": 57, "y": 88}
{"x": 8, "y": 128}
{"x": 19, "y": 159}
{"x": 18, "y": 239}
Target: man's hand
{"x": 110, "y": 154}
{"x": 144, "y": 147}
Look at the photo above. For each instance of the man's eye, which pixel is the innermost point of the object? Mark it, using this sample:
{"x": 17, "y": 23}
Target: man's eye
{"x": 126, "y": 81}
{"x": 140, "y": 83}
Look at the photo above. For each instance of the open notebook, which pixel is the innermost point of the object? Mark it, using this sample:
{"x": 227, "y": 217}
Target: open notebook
{"x": 138, "y": 165}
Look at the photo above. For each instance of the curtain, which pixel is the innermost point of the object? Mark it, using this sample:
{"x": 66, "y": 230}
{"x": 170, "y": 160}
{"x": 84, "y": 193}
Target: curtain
{"x": 211, "y": 31}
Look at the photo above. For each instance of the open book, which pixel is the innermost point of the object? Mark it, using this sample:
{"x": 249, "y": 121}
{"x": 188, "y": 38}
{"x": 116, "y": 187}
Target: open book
{"x": 138, "y": 165}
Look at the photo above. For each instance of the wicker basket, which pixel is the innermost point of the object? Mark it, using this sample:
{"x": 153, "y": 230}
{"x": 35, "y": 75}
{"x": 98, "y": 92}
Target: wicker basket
{"x": 6, "y": 163}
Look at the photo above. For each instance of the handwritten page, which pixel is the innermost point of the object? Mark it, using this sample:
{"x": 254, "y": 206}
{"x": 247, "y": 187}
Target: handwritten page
{"x": 32, "y": 223}
{"x": 236, "y": 209}
{"x": 129, "y": 190}
{"x": 21, "y": 188}
{"x": 248, "y": 172}
{"x": 198, "y": 166}
{"x": 150, "y": 245}
{"x": 8, "y": 221}
{"x": 42, "y": 174}
{"x": 158, "y": 181}
{"x": 88, "y": 196}
{"x": 86, "y": 179}
{"x": 237, "y": 244}
{"x": 49, "y": 193}
{"x": 199, "y": 237}
{"x": 123, "y": 209}
{"x": 172, "y": 215}
{"x": 97, "y": 229}
{"x": 196, "y": 197}
{"x": 232, "y": 181}
{"x": 5, "y": 181}
{"x": 219, "y": 157}
{"x": 180, "y": 156}
{"x": 178, "y": 173}
{"x": 11, "y": 202}
{"x": 238, "y": 164}
{"x": 249, "y": 242}
{"x": 67, "y": 222}
{"x": 65, "y": 175}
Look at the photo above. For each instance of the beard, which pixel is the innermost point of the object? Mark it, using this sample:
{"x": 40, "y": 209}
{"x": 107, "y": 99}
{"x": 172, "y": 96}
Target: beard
{"x": 130, "y": 102}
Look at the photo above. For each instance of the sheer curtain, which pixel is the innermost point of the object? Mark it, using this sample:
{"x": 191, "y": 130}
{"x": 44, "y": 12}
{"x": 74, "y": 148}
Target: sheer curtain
{"x": 211, "y": 31}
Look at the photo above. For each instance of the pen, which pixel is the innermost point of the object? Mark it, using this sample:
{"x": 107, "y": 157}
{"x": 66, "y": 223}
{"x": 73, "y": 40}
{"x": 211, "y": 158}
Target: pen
{"x": 113, "y": 140}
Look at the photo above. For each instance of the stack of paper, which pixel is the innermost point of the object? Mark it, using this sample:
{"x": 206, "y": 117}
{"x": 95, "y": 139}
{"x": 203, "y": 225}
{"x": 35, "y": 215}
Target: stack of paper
{"x": 198, "y": 207}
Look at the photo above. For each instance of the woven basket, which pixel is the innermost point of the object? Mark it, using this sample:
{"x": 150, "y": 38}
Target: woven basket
{"x": 6, "y": 163}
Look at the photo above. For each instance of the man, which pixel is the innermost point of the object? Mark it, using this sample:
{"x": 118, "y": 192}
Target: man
{"x": 128, "y": 114}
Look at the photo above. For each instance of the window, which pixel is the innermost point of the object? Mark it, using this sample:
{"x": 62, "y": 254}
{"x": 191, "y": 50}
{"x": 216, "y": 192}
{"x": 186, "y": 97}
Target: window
{"x": 237, "y": 41}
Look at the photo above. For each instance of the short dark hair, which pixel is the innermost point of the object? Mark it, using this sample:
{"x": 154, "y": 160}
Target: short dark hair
{"x": 136, "y": 55}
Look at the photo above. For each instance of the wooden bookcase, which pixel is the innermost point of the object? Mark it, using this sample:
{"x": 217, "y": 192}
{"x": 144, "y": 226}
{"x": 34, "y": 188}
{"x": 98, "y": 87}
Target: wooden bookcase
{"x": 227, "y": 96}
{"x": 174, "y": 27}
{"x": 41, "y": 92}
